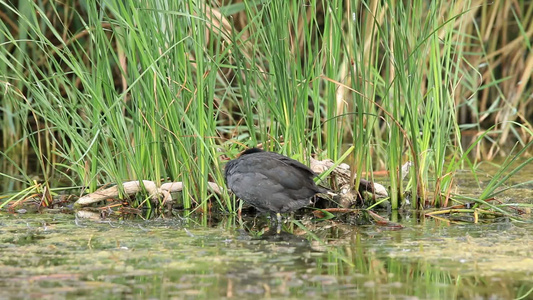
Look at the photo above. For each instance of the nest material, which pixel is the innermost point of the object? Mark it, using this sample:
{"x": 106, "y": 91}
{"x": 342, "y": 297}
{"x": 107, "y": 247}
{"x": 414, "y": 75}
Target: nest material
{"x": 343, "y": 182}
{"x": 341, "y": 178}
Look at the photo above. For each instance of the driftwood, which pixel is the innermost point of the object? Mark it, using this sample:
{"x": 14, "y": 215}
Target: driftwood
{"x": 134, "y": 187}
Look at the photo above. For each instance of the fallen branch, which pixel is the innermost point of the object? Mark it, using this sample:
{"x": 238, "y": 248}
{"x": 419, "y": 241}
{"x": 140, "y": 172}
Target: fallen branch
{"x": 133, "y": 187}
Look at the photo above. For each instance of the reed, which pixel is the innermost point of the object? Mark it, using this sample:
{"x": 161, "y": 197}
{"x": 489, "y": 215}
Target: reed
{"x": 110, "y": 91}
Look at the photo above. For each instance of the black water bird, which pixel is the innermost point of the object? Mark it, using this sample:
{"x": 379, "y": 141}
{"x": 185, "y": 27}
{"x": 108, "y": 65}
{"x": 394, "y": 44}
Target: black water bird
{"x": 271, "y": 182}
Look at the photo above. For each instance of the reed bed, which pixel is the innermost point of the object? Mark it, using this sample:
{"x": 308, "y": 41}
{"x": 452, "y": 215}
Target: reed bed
{"x": 110, "y": 91}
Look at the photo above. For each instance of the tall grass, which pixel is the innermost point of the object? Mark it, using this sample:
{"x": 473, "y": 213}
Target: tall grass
{"x": 130, "y": 96}
{"x": 109, "y": 91}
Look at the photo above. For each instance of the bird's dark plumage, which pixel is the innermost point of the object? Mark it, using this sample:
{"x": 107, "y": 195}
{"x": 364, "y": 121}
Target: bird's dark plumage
{"x": 271, "y": 182}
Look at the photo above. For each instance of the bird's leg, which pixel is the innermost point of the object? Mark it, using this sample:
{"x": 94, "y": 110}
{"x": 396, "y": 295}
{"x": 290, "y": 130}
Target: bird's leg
{"x": 276, "y": 218}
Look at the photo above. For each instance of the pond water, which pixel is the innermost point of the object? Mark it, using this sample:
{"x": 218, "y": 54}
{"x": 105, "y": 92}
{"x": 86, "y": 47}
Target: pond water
{"x": 60, "y": 256}
{"x": 55, "y": 256}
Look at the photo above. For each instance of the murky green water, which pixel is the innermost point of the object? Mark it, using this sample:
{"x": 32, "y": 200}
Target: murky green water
{"x": 56, "y": 256}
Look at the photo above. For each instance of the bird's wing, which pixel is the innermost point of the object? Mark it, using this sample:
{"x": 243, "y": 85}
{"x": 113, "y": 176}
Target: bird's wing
{"x": 296, "y": 176}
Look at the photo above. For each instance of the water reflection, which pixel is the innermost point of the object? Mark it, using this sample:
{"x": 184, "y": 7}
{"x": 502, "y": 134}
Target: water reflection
{"x": 53, "y": 256}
